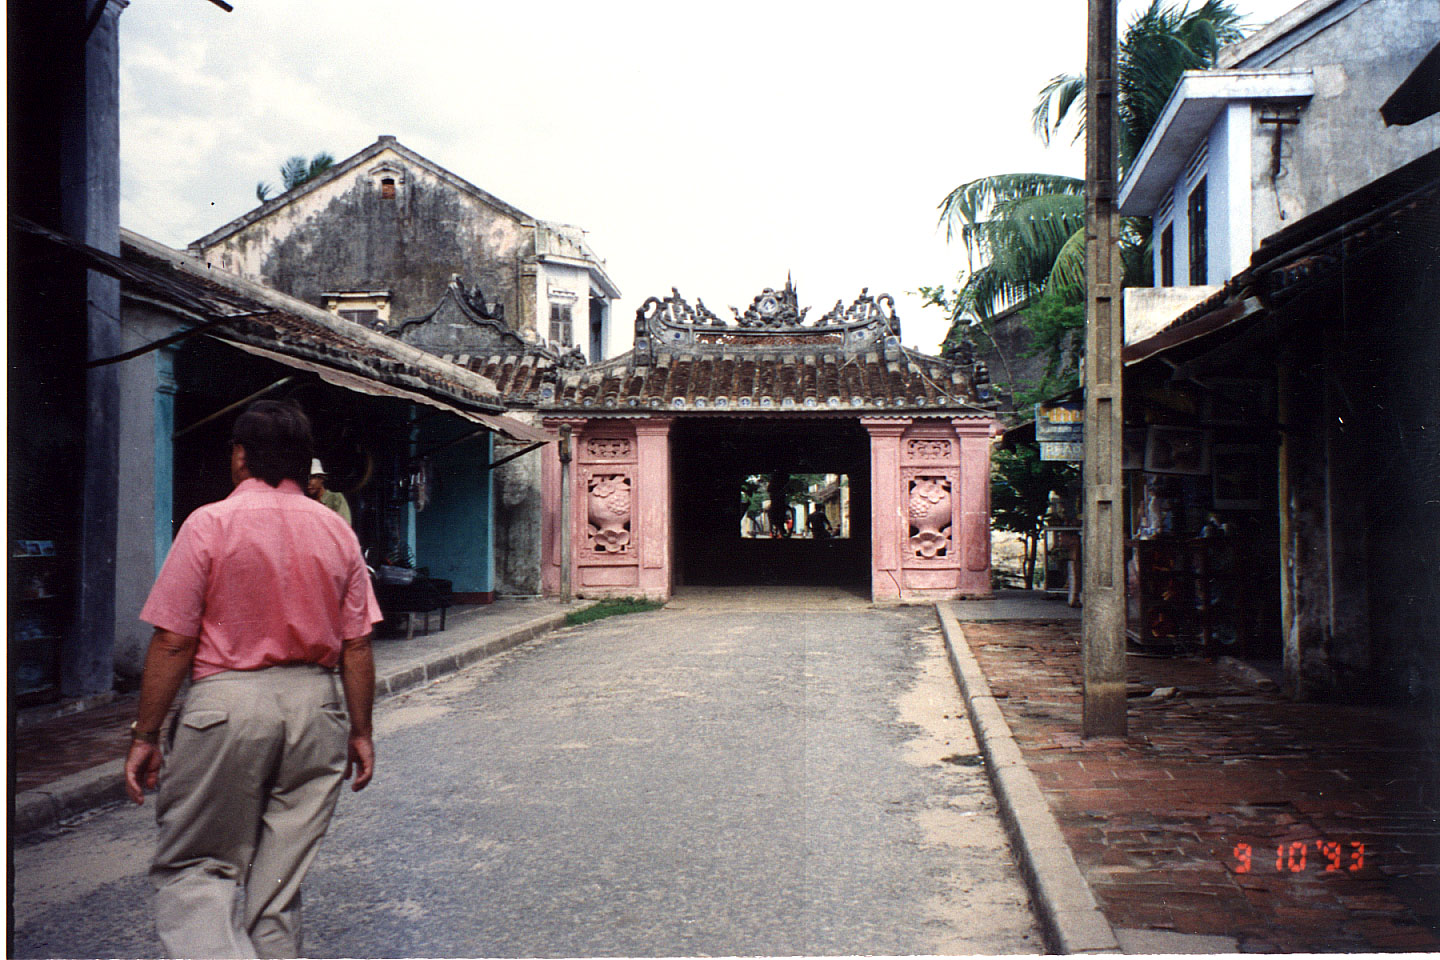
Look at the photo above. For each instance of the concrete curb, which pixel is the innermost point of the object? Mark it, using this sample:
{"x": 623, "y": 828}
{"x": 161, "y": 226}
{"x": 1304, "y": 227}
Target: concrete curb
{"x": 73, "y": 795}
{"x": 1069, "y": 914}
{"x": 458, "y": 658}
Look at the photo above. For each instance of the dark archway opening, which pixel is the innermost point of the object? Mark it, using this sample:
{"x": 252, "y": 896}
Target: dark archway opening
{"x": 711, "y": 459}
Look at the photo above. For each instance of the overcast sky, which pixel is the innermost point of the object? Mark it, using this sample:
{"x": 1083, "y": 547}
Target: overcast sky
{"x": 712, "y": 148}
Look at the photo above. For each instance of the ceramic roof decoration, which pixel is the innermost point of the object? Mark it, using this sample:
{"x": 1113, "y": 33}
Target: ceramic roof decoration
{"x": 686, "y": 358}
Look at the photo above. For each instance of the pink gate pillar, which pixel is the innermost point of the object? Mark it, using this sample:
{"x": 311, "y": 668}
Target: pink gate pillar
{"x": 930, "y": 507}
{"x": 620, "y": 539}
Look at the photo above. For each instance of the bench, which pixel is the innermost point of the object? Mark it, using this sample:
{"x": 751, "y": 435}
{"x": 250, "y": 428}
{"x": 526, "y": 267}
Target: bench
{"x": 422, "y": 595}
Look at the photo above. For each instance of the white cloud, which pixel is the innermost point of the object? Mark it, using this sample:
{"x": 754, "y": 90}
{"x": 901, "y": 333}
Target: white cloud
{"x": 712, "y": 148}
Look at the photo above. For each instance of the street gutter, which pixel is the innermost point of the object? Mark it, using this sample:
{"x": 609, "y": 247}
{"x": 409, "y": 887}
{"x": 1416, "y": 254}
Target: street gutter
{"x": 1069, "y": 914}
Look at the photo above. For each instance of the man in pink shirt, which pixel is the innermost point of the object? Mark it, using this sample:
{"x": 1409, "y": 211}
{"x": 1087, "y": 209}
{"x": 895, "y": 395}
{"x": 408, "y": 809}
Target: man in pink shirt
{"x": 265, "y": 603}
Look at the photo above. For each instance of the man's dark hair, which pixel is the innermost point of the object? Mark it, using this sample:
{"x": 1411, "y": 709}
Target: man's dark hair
{"x": 277, "y": 441}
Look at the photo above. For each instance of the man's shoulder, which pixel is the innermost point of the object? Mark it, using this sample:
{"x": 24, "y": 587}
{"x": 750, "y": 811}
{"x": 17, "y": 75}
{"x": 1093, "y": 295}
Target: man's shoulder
{"x": 264, "y": 497}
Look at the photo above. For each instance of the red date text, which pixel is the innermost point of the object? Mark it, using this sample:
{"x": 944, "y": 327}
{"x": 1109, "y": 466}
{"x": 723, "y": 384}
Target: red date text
{"x": 1332, "y": 856}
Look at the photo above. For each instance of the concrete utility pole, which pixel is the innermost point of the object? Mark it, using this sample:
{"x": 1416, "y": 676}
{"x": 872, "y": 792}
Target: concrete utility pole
{"x": 1103, "y": 637}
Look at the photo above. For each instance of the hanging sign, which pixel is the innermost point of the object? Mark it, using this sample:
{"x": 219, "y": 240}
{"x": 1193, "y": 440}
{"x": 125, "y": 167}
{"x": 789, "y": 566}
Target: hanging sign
{"x": 1060, "y": 430}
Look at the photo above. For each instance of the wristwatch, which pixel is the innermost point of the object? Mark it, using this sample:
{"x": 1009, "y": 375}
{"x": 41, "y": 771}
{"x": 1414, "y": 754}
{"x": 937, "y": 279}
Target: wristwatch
{"x": 144, "y": 736}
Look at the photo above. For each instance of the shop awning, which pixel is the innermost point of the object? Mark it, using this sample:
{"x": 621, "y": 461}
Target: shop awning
{"x": 505, "y": 426}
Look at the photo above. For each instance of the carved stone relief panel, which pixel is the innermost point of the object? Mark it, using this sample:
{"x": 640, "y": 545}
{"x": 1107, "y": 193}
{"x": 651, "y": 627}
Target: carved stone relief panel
{"x": 609, "y": 448}
{"x": 928, "y": 449}
{"x": 932, "y": 514}
{"x": 607, "y": 500}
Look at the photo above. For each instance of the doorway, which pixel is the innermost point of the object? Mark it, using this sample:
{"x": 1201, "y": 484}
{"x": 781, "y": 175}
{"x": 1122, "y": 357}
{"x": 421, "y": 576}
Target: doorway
{"x": 771, "y": 501}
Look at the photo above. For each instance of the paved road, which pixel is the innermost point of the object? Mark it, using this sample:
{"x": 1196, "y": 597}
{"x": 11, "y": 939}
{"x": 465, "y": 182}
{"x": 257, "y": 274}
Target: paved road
{"x": 737, "y": 774}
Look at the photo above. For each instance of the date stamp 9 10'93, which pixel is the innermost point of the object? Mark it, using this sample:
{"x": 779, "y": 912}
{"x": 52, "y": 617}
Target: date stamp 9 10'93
{"x": 1332, "y": 856}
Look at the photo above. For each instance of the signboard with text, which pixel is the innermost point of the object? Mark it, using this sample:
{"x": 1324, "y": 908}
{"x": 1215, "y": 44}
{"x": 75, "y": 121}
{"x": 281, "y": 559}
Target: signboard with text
{"x": 1060, "y": 430}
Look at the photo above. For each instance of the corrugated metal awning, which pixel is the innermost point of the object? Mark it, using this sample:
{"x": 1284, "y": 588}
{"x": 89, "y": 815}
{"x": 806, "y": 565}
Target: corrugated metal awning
{"x": 503, "y": 425}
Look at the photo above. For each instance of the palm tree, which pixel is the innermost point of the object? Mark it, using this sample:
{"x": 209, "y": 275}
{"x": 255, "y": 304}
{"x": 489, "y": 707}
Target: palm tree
{"x": 1160, "y": 44}
{"x": 1016, "y": 226}
{"x": 1026, "y": 230}
{"x": 295, "y": 171}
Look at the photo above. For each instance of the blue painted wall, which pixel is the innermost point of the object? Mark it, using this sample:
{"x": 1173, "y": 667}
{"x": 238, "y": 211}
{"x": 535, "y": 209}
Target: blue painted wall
{"x": 164, "y": 479}
{"x": 454, "y": 534}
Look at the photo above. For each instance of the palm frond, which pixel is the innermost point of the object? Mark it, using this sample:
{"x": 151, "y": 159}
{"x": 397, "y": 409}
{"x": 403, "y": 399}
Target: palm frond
{"x": 318, "y": 165}
{"x": 292, "y": 172}
{"x": 1067, "y": 275}
{"x": 969, "y": 203}
{"x": 1160, "y": 44}
{"x": 1054, "y": 103}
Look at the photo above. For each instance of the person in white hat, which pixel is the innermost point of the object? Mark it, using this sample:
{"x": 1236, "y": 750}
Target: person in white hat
{"x": 333, "y": 499}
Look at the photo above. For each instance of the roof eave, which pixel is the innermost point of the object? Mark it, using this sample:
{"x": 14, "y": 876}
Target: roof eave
{"x": 1270, "y": 41}
{"x": 185, "y": 264}
{"x": 597, "y": 272}
{"x": 1186, "y": 120}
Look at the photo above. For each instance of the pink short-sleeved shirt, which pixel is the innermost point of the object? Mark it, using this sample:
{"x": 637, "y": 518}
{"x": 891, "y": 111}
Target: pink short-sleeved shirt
{"x": 265, "y": 576}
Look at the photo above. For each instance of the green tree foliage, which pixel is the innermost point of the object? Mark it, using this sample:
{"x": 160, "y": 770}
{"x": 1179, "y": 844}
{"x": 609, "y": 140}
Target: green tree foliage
{"x": 1057, "y": 333}
{"x": 295, "y": 171}
{"x": 1020, "y": 485}
{"x": 1014, "y": 227}
{"x": 1024, "y": 232}
{"x": 1161, "y": 43}
{"x": 755, "y": 489}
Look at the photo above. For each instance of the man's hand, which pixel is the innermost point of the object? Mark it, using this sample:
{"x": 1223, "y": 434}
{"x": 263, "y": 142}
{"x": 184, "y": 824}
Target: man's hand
{"x": 361, "y": 760}
{"x": 167, "y": 663}
{"x": 142, "y": 769}
{"x": 357, "y": 677}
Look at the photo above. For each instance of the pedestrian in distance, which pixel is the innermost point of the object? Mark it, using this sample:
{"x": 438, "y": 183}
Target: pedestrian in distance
{"x": 265, "y": 603}
{"x": 333, "y": 499}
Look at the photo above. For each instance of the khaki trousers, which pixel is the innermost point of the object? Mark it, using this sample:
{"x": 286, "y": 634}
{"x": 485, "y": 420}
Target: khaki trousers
{"x": 246, "y": 793}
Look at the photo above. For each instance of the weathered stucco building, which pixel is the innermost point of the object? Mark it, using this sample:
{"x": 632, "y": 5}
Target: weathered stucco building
{"x": 380, "y": 235}
{"x": 391, "y": 240}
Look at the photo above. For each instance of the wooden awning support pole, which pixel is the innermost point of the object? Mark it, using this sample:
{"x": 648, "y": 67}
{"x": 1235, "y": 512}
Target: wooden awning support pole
{"x": 1102, "y": 648}
{"x": 565, "y": 511}
{"x": 238, "y": 403}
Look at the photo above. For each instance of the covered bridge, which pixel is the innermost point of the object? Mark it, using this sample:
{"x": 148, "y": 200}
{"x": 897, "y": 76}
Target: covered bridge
{"x": 766, "y": 449}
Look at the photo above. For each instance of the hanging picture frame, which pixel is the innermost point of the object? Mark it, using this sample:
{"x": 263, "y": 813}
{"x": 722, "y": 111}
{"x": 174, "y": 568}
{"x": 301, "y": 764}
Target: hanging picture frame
{"x": 1177, "y": 450}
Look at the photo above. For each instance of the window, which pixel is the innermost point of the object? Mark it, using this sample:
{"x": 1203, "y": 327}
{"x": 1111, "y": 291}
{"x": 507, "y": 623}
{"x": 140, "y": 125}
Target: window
{"x": 1196, "y": 225}
{"x": 560, "y": 319}
{"x": 597, "y": 329}
{"x": 367, "y": 318}
{"x": 387, "y": 178}
{"x": 369, "y": 308}
{"x": 1167, "y": 256}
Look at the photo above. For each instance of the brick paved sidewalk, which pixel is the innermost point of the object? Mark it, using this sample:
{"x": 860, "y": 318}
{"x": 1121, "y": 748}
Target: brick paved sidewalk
{"x": 1229, "y": 810}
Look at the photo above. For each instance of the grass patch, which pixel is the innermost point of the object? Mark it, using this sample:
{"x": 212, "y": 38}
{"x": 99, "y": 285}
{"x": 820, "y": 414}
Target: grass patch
{"x": 611, "y": 608}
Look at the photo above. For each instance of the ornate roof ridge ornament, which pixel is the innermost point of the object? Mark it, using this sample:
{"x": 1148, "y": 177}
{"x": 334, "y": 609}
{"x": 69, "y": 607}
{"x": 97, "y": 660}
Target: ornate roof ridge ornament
{"x": 772, "y": 308}
{"x": 773, "y": 321}
{"x": 865, "y": 309}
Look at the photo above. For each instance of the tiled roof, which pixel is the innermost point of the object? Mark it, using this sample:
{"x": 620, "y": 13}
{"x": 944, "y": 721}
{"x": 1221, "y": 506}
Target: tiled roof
{"x": 768, "y": 361}
{"x": 519, "y": 378}
{"x": 248, "y": 313}
{"x": 782, "y": 380}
